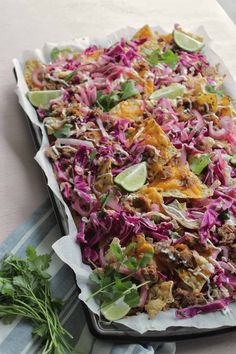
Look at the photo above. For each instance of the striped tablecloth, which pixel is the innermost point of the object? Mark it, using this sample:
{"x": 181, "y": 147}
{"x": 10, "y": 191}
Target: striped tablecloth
{"x": 41, "y": 231}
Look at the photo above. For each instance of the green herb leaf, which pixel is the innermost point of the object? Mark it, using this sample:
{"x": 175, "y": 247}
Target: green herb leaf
{"x": 104, "y": 199}
{"x": 132, "y": 298}
{"x": 71, "y": 75}
{"x": 145, "y": 260}
{"x": 128, "y": 89}
{"x": 92, "y": 155}
{"x": 131, "y": 263}
{"x": 116, "y": 250}
{"x": 212, "y": 89}
{"x": 198, "y": 163}
{"x": 63, "y": 132}
{"x": 225, "y": 215}
{"x": 107, "y": 102}
{"x": 168, "y": 57}
{"x": 6, "y": 287}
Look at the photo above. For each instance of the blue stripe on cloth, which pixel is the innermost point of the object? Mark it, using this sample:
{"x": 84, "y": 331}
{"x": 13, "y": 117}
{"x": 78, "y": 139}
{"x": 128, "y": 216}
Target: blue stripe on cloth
{"x": 41, "y": 232}
{"x": 16, "y": 235}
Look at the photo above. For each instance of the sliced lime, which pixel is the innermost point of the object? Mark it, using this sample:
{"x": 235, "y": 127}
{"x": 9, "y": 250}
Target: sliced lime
{"x": 198, "y": 163}
{"x": 172, "y": 91}
{"x": 42, "y": 98}
{"x": 233, "y": 160}
{"x": 187, "y": 42}
{"x": 133, "y": 177}
{"x": 115, "y": 310}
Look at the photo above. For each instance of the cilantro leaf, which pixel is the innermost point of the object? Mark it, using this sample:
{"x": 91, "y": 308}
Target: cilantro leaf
{"x": 63, "y": 132}
{"x": 145, "y": 260}
{"x": 71, "y": 75}
{"x": 225, "y": 215}
{"x": 212, "y": 89}
{"x": 168, "y": 57}
{"x": 92, "y": 155}
{"x": 107, "y": 102}
{"x": 116, "y": 250}
{"x": 132, "y": 298}
{"x": 128, "y": 89}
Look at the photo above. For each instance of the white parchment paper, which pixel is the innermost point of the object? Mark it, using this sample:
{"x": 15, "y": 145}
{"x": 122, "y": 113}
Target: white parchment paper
{"x": 66, "y": 247}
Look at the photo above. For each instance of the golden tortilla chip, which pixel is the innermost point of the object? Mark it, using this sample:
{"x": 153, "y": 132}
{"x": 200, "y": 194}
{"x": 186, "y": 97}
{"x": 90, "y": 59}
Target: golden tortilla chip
{"x": 144, "y": 32}
{"x": 210, "y": 99}
{"x": 30, "y": 66}
{"x": 159, "y": 296}
{"x": 182, "y": 184}
{"x": 198, "y": 277}
{"x": 130, "y": 109}
{"x": 196, "y": 282}
{"x": 160, "y": 148}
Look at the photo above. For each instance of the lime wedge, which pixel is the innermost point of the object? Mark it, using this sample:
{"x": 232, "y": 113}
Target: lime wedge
{"x": 42, "y": 98}
{"x": 186, "y": 42}
{"x": 115, "y": 310}
{"x": 172, "y": 91}
{"x": 133, "y": 177}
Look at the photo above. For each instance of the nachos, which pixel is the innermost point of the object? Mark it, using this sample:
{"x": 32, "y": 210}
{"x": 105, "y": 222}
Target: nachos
{"x": 143, "y": 146}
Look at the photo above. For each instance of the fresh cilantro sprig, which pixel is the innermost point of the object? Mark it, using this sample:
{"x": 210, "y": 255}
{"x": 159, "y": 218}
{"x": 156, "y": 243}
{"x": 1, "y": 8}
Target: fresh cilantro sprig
{"x": 107, "y": 102}
{"x": 112, "y": 286}
{"x": 168, "y": 57}
{"x": 131, "y": 262}
{"x": 25, "y": 292}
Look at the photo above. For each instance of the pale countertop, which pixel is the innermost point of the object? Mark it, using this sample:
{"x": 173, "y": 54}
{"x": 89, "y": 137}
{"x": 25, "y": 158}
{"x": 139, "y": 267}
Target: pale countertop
{"x": 25, "y": 24}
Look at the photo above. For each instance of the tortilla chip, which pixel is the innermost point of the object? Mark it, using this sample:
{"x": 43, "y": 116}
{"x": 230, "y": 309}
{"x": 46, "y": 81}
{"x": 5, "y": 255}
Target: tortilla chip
{"x": 182, "y": 184}
{"x": 159, "y": 296}
{"x": 144, "y": 32}
{"x": 210, "y": 99}
{"x": 30, "y": 66}
{"x": 196, "y": 282}
{"x": 129, "y": 109}
{"x": 150, "y": 133}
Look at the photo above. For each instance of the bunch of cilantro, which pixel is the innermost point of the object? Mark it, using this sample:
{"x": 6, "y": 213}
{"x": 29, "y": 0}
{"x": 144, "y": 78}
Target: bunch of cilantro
{"x": 25, "y": 292}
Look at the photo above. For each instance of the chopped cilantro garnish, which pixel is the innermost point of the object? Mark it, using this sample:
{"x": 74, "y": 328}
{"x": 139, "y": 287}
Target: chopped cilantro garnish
{"x": 63, "y": 132}
{"x": 107, "y": 102}
{"x": 168, "y": 57}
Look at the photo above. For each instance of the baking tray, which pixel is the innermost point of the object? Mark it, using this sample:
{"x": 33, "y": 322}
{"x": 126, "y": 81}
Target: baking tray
{"x": 114, "y": 331}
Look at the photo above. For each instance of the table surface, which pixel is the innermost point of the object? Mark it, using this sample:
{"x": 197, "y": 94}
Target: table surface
{"x": 25, "y": 24}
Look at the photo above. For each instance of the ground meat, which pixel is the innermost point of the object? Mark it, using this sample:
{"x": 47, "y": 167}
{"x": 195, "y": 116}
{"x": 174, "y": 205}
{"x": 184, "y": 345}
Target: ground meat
{"x": 184, "y": 298}
{"x": 232, "y": 253}
{"x": 150, "y": 272}
{"x": 171, "y": 256}
{"x": 204, "y": 249}
{"x": 68, "y": 151}
{"x": 137, "y": 203}
{"x": 165, "y": 173}
{"x": 227, "y": 234}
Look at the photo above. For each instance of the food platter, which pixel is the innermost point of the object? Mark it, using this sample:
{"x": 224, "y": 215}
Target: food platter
{"x": 123, "y": 180}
